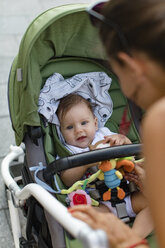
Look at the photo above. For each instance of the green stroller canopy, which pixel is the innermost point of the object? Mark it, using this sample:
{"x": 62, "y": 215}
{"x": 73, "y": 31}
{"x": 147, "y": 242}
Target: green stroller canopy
{"x": 53, "y": 37}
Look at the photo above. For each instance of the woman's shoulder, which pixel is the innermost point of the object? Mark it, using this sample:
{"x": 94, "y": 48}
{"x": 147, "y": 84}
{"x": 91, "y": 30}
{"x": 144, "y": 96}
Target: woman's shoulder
{"x": 155, "y": 116}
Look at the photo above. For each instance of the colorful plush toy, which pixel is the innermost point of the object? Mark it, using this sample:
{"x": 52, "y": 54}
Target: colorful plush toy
{"x": 112, "y": 176}
{"x": 108, "y": 171}
{"x": 111, "y": 171}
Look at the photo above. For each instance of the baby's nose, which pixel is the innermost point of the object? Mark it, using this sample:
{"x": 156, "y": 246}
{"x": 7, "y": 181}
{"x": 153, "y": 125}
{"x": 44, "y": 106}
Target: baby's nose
{"x": 78, "y": 129}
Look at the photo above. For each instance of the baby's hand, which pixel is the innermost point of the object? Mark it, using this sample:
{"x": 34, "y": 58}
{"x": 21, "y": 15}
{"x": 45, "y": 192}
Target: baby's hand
{"x": 117, "y": 139}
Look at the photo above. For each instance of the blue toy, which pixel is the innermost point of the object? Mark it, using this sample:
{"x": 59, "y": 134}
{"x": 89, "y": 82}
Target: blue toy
{"x": 112, "y": 179}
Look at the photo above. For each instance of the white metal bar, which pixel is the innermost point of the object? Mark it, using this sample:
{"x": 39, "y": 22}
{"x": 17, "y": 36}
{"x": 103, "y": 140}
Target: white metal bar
{"x": 15, "y": 221}
{"x": 15, "y": 152}
{"x": 53, "y": 206}
{"x": 77, "y": 228}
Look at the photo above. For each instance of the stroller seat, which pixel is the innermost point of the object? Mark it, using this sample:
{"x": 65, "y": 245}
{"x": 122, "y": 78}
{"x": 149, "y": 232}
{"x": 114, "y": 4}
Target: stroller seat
{"x": 49, "y": 143}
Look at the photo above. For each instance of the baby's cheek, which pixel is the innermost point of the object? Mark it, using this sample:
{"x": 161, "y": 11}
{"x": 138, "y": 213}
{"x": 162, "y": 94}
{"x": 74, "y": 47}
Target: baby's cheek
{"x": 67, "y": 136}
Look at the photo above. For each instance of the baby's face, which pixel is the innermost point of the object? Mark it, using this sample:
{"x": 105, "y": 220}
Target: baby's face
{"x": 78, "y": 126}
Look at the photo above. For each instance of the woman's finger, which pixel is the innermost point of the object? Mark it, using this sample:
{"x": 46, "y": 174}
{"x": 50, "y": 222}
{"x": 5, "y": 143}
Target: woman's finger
{"x": 84, "y": 217}
{"x": 85, "y": 209}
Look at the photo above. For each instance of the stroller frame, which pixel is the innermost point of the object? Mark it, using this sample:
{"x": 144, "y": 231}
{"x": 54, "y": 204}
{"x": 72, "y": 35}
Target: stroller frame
{"x": 16, "y": 197}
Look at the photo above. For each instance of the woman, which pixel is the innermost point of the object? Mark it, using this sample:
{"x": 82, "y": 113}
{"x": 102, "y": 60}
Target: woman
{"x": 133, "y": 33}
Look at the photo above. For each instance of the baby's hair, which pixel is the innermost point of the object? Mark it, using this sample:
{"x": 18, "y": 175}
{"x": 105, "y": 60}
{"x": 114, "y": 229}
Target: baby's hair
{"x": 69, "y": 101}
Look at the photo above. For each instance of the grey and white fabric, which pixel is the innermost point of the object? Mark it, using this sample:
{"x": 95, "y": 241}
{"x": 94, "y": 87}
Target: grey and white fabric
{"x": 93, "y": 86}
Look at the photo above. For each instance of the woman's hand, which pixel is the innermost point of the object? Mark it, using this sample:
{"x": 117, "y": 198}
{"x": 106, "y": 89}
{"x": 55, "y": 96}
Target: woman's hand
{"x": 119, "y": 234}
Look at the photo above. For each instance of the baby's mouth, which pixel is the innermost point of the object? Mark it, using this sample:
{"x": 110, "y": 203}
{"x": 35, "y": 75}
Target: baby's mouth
{"x": 81, "y": 138}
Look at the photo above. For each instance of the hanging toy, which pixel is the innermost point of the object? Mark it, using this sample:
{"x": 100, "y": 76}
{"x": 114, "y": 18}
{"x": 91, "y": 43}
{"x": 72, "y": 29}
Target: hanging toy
{"x": 111, "y": 174}
{"x": 113, "y": 177}
{"x": 111, "y": 171}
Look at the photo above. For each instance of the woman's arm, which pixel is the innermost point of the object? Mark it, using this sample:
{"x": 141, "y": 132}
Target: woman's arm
{"x": 154, "y": 151}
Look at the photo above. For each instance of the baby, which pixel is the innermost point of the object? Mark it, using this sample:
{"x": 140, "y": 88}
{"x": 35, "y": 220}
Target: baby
{"x": 79, "y": 128}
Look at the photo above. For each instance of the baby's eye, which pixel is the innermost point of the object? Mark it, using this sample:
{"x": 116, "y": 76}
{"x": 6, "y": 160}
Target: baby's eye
{"x": 69, "y": 127}
{"x": 84, "y": 122}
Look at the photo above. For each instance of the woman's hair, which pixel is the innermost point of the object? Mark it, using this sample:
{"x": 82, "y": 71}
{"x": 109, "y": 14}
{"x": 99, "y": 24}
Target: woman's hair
{"x": 69, "y": 101}
{"x": 142, "y": 22}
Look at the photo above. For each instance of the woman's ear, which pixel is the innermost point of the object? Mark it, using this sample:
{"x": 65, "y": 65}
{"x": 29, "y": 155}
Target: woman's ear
{"x": 131, "y": 63}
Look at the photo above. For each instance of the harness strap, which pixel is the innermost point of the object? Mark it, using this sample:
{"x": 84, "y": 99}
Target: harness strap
{"x": 122, "y": 212}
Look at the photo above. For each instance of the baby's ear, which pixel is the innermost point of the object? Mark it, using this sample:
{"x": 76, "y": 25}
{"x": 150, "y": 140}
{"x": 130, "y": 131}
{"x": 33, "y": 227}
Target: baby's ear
{"x": 96, "y": 123}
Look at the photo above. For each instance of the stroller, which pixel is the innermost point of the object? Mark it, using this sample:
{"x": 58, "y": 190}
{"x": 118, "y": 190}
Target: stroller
{"x": 59, "y": 40}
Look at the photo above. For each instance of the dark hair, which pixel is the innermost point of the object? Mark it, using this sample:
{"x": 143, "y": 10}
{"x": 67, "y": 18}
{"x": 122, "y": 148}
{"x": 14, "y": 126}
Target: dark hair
{"x": 143, "y": 24}
{"x": 67, "y": 102}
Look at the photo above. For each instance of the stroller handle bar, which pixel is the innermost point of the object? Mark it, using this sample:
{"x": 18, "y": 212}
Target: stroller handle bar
{"x": 79, "y": 229}
{"x": 91, "y": 157}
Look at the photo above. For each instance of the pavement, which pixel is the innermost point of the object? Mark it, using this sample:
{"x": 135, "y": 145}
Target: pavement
{"x": 15, "y": 16}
